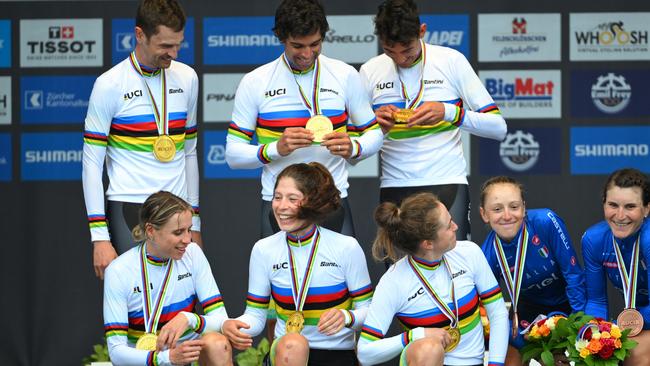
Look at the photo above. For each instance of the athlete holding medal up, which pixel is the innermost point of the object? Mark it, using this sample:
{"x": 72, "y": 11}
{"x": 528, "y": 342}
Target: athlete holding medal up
{"x": 151, "y": 290}
{"x": 434, "y": 291}
{"x": 141, "y": 124}
{"x": 317, "y": 278}
{"x": 619, "y": 248}
{"x": 302, "y": 107}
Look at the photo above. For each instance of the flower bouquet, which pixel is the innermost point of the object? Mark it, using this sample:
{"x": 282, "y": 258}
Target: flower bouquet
{"x": 546, "y": 340}
{"x": 600, "y": 343}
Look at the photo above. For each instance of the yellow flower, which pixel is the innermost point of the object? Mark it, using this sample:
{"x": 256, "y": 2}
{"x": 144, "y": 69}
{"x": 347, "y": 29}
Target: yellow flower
{"x": 584, "y": 352}
{"x": 605, "y": 335}
{"x": 615, "y": 332}
{"x": 617, "y": 343}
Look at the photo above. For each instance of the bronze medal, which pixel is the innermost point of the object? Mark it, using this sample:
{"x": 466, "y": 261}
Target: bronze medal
{"x": 147, "y": 342}
{"x": 164, "y": 148}
{"x": 515, "y": 325}
{"x": 402, "y": 115}
{"x": 454, "y": 334}
{"x": 320, "y": 125}
{"x": 295, "y": 323}
{"x": 630, "y": 319}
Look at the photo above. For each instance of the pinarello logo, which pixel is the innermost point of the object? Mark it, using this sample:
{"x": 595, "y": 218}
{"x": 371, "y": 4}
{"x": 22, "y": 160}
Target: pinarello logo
{"x": 519, "y": 26}
{"x": 536, "y": 240}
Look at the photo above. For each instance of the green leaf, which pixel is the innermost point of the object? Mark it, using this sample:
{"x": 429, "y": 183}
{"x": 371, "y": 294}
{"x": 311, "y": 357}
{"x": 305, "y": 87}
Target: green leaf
{"x": 620, "y": 354}
{"x": 589, "y": 361}
{"x": 547, "y": 358}
{"x": 629, "y": 344}
{"x": 530, "y": 353}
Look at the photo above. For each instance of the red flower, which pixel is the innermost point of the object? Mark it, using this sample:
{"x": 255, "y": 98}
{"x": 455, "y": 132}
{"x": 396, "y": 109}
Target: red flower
{"x": 604, "y": 327}
{"x": 587, "y": 335}
{"x": 606, "y": 352}
{"x": 608, "y": 342}
{"x": 541, "y": 322}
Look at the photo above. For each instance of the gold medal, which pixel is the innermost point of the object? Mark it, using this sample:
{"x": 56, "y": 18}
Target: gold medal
{"x": 295, "y": 323}
{"x": 164, "y": 148}
{"x": 147, "y": 342}
{"x": 320, "y": 125}
{"x": 454, "y": 334}
{"x": 630, "y": 319}
{"x": 402, "y": 115}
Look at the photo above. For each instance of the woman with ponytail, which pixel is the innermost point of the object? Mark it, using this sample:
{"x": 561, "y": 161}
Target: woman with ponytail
{"x": 433, "y": 289}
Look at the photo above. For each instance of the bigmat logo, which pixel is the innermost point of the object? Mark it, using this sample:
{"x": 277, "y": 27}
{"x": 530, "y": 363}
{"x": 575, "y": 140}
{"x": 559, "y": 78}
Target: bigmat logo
{"x": 523, "y": 151}
{"x": 51, "y": 156}
{"x": 54, "y": 99}
{"x": 61, "y": 42}
{"x": 5, "y": 100}
{"x": 5, "y": 43}
{"x": 601, "y": 150}
{"x": 239, "y": 41}
{"x": 219, "y": 96}
{"x": 609, "y": 36}
{"x": 519, "y": 37}
{"x": 448, "y": 30}
{"x": 525, "y": 93}
{"x": 605, "y": 93}
{"x": 123, "y": 40}
{"x": 214, "y": 161}
{"x": 5, "y": 157}
{"x": 350, "y": 38}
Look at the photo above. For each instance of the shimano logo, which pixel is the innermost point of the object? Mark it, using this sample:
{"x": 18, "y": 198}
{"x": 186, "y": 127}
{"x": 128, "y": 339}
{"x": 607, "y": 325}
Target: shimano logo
{"x": 631, "y": 150}
{"x": 53, "y": 156}
{"x": 175, "y": 91}
{"x": 329, "y": 264}
{"x": 332, "y": 37}
{"x": 218, "y": 97}
{"x": 243, "y": 40}
{"x": 186, "y": 275}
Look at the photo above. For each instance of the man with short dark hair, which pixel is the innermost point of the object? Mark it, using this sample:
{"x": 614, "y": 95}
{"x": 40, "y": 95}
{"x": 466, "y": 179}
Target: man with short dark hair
{"x": 423, "y": 95}
{"x": 303, "y": 107}
{"x": 141, "y": 122}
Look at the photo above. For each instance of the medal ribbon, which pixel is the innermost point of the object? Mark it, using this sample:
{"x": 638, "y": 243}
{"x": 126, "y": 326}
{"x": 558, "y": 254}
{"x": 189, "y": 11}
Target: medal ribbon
{"x": 314, "y": 106}
{"x": 442, "y": 305}
{"x": 629, "y": 280}
{"x": 412, "y": 103}
{"x": 299, "y": 291}
{"x": 161, "y": 117}
{"x": 513, "y": 285}
{"x": 151, "y": 316}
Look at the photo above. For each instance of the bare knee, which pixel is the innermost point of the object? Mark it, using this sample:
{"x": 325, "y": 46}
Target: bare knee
{"x": 216, "y": 350}
{"x": 425, "y": 352}
{"x": 292, "y": 349}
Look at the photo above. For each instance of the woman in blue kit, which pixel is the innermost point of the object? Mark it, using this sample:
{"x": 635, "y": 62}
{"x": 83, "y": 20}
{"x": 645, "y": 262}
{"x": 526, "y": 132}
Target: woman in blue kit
{"x": 543, "y": 274}
{"x": 619, "y": 248}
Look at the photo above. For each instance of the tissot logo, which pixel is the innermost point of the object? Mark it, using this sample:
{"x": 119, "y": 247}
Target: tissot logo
{"x": 65, "y": 32}
{"x": 519, "y": 26}
{"x": 132, "y": 94}
{"x": 276, "y": 92}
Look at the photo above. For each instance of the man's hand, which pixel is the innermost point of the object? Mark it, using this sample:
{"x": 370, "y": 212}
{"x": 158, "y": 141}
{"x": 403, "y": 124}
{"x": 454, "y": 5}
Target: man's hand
{"x": 427, "y": 114}
{"x": 294, "y": 138}
{"x": 331, "y": 322}
{"x": 187, "y": 352}
{"x": 338, "y": 143}
{"x": 171, "y": 332}
{"x": 237, "y": 338}
{"x": 439, "y": 334}
{"x": 103, "y": 255}
{"x": 384, "y": 116}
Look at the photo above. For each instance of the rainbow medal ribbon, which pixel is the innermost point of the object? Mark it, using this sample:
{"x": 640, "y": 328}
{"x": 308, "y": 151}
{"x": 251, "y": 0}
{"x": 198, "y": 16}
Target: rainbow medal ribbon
{"x": 403, "y": 115}
{"x": 151, "y": 314}
{"x": 164, "y": 148}
{"x": 296, "y": 321}
{"x": 629, "y": 318}
{"x": 454, "y": 332}
{"x": 513, "y": 285}
{"x": 318, "y": 123}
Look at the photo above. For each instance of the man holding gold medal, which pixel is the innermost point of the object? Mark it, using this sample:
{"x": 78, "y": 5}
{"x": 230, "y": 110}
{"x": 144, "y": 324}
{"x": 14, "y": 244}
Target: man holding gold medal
{"x": 150, "y": 293}
{"x": 302, "y": 107}
{"x": 423, "y": 95}
{"x": 141, "y": 123}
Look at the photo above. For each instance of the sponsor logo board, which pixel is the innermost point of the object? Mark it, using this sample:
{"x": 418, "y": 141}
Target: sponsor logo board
{"x": 239, "y": 41}
{"x": 61, "y": 42}
{"x": 605, "y": 93}
{"x": 523, "y": 151}
{"x": 219, "y": 96}
{"x": 214, "y": 160}
{"x": 5, "y": 157}
{"x": 51, "y": 156}
{"x": 5, "y": 43}
{"x": 601, "y": 150}
{"x": 447, "y": 30}
{"x": 350, "y": 38}
{"x": 5, "y": 100}
{"x": 123, "y": 40}
{"x": 525, "y": 93}
{"x": 519, "y": 37}
{"x": 55, "y": 99}
{"x": 609, "y": 36}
